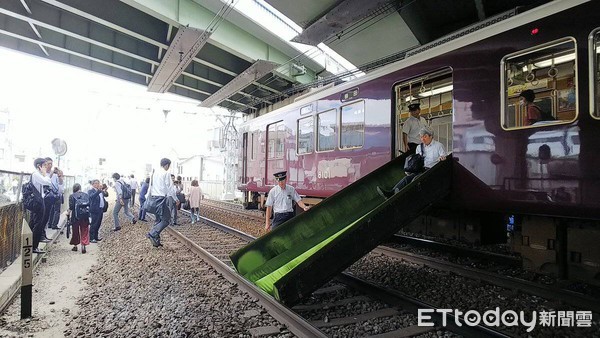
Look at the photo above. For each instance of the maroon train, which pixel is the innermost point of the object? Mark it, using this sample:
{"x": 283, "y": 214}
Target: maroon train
{"x": 545, "y": 175}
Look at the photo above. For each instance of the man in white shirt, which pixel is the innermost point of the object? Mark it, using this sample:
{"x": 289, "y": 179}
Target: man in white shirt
{"x": 38, "y": 220}
{"x": 134, "y": 187}
{"x": 280, "y": 200}
{"x": 432, "y": 152}
{"x": 161, "y": 187}
{"x": 411, "y": 128}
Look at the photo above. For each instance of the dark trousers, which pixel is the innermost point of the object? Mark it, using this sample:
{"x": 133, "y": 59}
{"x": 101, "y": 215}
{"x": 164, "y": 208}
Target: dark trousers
{"x": 95, "y": 225}
{"x": 54, "y": 214}
{"x": 132, "y": 198}
{"x": 142, "y": 214}
{"x": 281, "y": 217}
{"x": 404, "y": 182}
{"x": 38, "y": 225}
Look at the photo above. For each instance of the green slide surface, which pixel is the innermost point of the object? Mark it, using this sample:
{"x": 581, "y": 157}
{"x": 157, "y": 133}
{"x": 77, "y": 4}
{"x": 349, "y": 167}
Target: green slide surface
{"x": 305, "y": 252}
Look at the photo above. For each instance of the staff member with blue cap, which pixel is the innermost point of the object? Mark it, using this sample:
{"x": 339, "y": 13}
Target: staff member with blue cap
{"x": 279, "y": 201}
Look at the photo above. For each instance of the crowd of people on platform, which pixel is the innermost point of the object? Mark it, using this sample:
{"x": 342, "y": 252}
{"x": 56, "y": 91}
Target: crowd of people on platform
{"x": 87, "y": 206}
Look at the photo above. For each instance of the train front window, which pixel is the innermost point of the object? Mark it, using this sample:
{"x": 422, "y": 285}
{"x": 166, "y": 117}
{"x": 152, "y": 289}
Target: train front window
{"x": 539, "y": 85}
{"x": 305, "y": 135}
{"x": 352, "y": 134}
{"x": 595, "y": 70}
{"x": 327, "y": 130}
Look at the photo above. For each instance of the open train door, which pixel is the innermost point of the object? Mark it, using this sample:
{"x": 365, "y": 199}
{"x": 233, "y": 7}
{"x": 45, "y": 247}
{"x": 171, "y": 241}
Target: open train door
{"x": 275, "y": 151}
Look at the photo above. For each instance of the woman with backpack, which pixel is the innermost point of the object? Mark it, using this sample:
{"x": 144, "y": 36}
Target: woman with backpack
{"x": 79, "y": 213}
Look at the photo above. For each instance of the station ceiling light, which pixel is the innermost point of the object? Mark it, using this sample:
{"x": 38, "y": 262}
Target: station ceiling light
{"x": 183, "y": 49}
{"x": 257, "y": 70}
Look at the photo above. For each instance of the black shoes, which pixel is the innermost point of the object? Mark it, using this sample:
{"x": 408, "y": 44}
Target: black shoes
{"x": 154, "y": 241}
{"x": 134, "y": 221}
{"x": 38, "y": 251}
{"x": 83, "y": 249}
{"x": 54, "y": 227}
{"x": 142, "y": 220}
{"x": 117, "y": 229}
{"x": 93, "y": 241}
{"x": 74, "y": 248}
{"x": 45, "y": 240}
{"x": 385, "y": 193}
{"x": 98, "y": 239}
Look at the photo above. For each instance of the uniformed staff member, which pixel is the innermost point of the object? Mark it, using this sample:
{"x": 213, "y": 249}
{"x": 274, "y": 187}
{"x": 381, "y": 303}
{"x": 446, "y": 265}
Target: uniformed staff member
{"x": 280, "y": 201}
{"x": 411, "y": 128}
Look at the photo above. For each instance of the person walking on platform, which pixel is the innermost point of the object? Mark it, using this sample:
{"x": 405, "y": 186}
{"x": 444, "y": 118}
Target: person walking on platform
{"x": 57, "y": 189}
{"x": 122, "y": 201}
{"x": 143, "y": 192}
{"x": 411, "y": 128}
{"x": 96, "y": 194}
{"x": 134, "y": 187}
{"x": 161, "y": 187}
{"x": 38, "y": 219}
{"x": 280, "y": 203}
{"x": 173, "y": 201}
{"x": 194, "y": 197}
{"x": 432, "y": 152}
{"x": 79, "y": 205}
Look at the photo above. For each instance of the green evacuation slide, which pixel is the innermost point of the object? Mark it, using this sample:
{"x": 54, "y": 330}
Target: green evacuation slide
{"x": 305, "y": 252}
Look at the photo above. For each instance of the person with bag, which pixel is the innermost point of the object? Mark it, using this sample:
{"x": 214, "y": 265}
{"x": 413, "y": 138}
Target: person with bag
{"x": 161, "y": 186}
{"x": 193, "y": 199}
{"x": 123, "y": 191}
{"x": 428, "y": 154}
{"x": 79, "y": 212}
{"x": 534, "y": 113}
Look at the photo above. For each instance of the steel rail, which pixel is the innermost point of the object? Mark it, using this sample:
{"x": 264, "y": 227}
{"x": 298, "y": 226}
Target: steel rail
{"x": 296, "y": 324}
{"x": 396, "y": 298}
{"x": 240, "y": 213}
{"x": 532, "y": 288}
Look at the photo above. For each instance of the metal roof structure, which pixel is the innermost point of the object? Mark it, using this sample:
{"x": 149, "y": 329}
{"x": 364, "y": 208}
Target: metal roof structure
{"x": 211, "y": 51}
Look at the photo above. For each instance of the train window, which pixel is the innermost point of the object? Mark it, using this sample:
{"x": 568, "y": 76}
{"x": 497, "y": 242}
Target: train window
{"x": 276, "y": 138}
{"x": 327, "y": 130}
{"x": 547, "y": 77}
{"x": 305, "y": 135}
{"x": 434, "y": 92}
{"x": 595, "y": 76}
{"x": 352, "y": 133}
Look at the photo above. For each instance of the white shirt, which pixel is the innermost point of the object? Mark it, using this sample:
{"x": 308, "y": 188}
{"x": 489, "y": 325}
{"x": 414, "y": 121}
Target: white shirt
{"x": 161, "y": 183}
{"x": 433, "y": 152}
{"x": 281, "y": 199}
{"x": 412, "y": 126}
{"x": 39, "y": 180}
{"x": 134, "y": 184}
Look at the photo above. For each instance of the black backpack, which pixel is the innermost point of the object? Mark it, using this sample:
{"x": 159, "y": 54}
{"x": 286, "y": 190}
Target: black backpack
{"x": 32, "y": 199}
{"x": 415, "y": 163}
{"x": 82, "y": 206}
{"x": 125, "y": 190}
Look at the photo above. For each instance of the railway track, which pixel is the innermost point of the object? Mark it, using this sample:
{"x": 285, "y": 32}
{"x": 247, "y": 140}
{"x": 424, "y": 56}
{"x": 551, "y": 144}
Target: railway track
{"x": 231, "y": 208}
{"x": 345, "y": 306}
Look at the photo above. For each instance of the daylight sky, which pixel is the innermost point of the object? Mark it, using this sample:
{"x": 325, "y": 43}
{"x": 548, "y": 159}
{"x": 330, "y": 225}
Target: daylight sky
{"x": 98, "y": 116}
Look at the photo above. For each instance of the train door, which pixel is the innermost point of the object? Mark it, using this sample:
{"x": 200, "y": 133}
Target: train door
{"x": 433, "y": 92}
{"x": 245, "y": 158}
{"x": 275, "y": 150}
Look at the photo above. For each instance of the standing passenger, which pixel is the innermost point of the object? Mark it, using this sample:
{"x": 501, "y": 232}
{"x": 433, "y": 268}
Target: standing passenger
{"x": 97, "y": 202}
{"x": 38, "y": 220}
{"x": 161, "y": 187}
{"x": 121, "y": 202}
{"x": 280, "y": 202}
{"x": 56, "y": 177}
{"x": 143, "y": 192}
{"x": 134, "y": 187}
{"x": 194, "y": 198}
{"x": 81, "y": 223}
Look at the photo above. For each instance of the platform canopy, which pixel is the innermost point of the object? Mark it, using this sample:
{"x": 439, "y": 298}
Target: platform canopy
{"x": 215, "y": 51}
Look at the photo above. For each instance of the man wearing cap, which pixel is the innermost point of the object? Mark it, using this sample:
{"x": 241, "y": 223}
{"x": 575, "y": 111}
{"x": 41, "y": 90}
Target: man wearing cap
{"x": 279, "y": 201}
{"x": 411, "y": 128}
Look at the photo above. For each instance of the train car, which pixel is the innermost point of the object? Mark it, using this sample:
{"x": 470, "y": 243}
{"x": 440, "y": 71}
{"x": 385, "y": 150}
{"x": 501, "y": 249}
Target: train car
{"x": 468, "y": 85}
